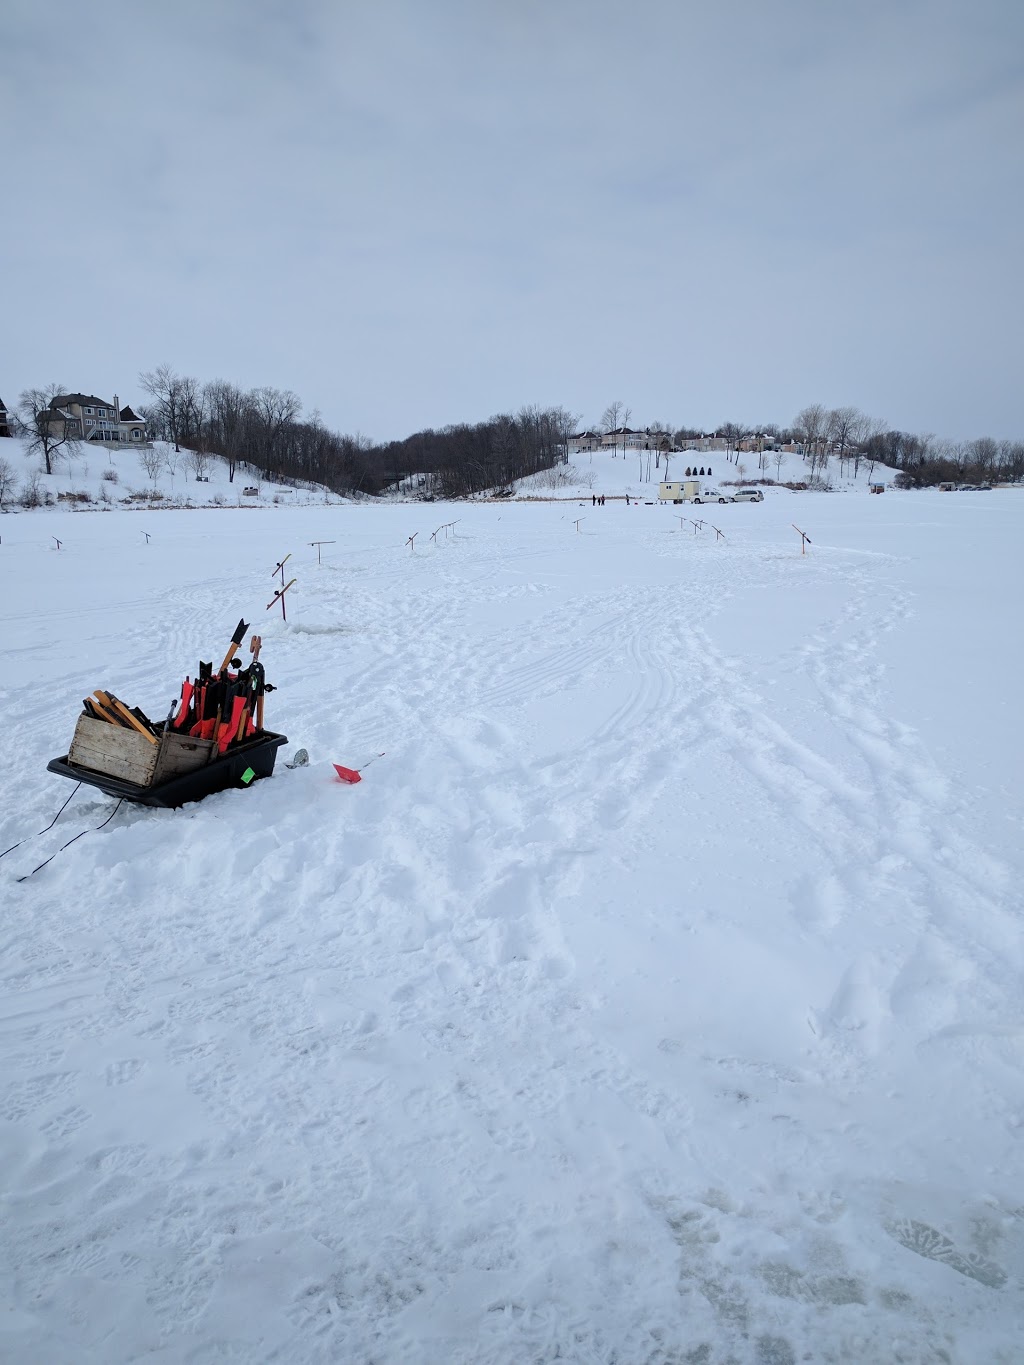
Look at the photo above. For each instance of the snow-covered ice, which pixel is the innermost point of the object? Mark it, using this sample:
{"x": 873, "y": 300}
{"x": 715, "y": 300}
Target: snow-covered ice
{"x": 656, "y": 998}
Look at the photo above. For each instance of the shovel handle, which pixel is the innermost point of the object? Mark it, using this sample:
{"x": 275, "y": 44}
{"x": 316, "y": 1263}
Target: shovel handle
{"x": 118, "y": 708}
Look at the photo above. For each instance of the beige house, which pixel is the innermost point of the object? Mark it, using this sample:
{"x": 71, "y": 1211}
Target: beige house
{"x": 627, "y": 438}
{"x": 583, "y": 443}
{"x": 90, "y": 418}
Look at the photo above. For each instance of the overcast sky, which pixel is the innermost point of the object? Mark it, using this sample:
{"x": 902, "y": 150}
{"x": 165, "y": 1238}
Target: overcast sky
{"x": 415, "y": 212}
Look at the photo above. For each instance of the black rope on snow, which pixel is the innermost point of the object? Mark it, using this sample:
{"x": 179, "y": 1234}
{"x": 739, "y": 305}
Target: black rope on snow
{"x": 94, "y": 830}
{"x": 42, "y": 831}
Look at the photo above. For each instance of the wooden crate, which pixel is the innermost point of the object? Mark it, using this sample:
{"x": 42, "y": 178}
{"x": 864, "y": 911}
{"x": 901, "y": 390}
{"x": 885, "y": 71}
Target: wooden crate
{"x": 180, "y": 754}
{"x": 129, "y": 756}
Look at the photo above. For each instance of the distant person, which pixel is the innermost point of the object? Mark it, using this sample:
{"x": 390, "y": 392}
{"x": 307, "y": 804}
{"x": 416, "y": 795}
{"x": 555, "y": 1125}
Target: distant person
{"x": 593, "y": 499}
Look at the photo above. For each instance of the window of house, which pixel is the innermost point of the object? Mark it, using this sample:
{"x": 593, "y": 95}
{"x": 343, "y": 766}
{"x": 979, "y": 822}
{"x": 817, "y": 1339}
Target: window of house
{"x": 88, "y": 412}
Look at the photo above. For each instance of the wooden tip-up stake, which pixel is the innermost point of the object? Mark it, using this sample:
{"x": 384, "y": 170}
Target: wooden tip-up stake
{"x": 318, "y": 543}
{"x": 804, "y": 537}
{"x": 279, "y": 597}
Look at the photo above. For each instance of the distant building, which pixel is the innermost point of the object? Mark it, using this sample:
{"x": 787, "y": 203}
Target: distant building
{"x": 627, "y": 438}
{"x": 5, "y": 421}
{"x": 584, "y": 442}
{"x": 707, "y": 442}
{"x": 90, "y": 418}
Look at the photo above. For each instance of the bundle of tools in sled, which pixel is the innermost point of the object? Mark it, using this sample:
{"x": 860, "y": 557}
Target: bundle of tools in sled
{"x": 225, "y": 706}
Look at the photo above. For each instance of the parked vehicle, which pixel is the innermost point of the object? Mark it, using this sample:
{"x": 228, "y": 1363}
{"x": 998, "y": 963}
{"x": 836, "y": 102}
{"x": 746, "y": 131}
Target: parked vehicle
{"x": 748, "y": 495}
{"x": 713, "y": 495}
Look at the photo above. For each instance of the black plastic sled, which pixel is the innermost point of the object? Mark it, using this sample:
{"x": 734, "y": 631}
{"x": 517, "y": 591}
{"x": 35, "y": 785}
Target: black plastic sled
{"x": 230, "y": 770}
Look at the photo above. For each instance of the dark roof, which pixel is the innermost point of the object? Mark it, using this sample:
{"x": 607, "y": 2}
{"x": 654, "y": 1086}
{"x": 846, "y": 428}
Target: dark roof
{"x": 126, "y": 415}
{"x": 86, "y": 400}
{"x": 3, "y": 405}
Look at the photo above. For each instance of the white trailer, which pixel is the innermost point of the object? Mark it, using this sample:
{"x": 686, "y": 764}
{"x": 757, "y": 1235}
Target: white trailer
{"x": 680, "y": 490}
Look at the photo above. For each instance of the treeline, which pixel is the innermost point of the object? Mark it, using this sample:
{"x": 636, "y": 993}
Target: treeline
{"x": 263, "y": 428}
{"x": 457, "y": 461}
{"x": 259, "y": 428}
{"x": 264, "y": 431}
{"x": 845, "y": 438}
{"x": 922, "y": 460}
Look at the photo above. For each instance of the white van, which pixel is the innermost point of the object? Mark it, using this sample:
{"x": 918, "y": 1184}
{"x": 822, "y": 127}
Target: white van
{"x": 749, "y": 495}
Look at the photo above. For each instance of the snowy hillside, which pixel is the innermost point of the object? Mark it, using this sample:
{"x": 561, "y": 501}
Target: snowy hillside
{"x": 618, "y": 474}
{"x": 115, "y": 476}
{"x": 654, "y": 998}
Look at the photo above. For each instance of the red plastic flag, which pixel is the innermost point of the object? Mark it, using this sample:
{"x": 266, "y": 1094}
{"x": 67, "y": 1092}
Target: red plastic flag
{"x": 347, "y": 774}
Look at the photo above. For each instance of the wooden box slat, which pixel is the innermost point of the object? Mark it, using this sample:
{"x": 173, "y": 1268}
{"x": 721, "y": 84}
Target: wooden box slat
{"x": 122, "y": 753}
{"x": 181, "y": 754}
{"x": 111, "y": 749}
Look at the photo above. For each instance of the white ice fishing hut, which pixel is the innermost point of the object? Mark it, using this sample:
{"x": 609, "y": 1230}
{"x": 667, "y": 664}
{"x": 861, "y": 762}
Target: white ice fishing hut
{"x": 682, "y": 490}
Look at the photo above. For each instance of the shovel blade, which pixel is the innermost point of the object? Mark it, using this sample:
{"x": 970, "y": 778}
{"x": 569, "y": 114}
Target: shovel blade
{"x": 347, "y": 774}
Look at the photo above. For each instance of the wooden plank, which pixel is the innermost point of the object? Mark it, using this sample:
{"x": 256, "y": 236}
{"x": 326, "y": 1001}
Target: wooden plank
{"x": 119, "y": 709}
{"x": 109, "y": 749}
{"x": 181, "y": 754}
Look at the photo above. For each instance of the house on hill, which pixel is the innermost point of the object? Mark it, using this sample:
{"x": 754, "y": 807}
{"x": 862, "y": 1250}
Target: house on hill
{"x": 625, "y": 437}
{"x": 584, "y": 442}
{"x": 89, "y": 418}
{"x": 5, "y": 421}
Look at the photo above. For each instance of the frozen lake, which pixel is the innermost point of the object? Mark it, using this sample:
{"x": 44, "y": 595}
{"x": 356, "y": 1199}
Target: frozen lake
{"x": 655, "y": 998}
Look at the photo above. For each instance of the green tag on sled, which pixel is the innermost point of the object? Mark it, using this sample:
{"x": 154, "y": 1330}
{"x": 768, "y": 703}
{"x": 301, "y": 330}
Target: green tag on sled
{"x": 248, "y": 776}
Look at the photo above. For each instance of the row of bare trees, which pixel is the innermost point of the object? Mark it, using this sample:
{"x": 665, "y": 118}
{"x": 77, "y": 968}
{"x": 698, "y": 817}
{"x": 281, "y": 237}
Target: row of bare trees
{"x": 846, "y": 436}
{"x": 260, "y": 429}
{"x": 463, "y": 459}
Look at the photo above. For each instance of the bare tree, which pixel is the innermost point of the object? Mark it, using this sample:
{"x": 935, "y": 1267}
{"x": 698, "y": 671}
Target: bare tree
{"x": 228, "y": 409}
{"x": 192, "y": 403}
{"x": 627, "y": 413}
{"x": 565, "y": 424}
{"x": 152, "y": 462}
{"x": 172, "y": 458}
{"x": 610, "y": 416}
{"x": 868, "y": 433}
{"x": 733, "y": 433}
{"x": 198, "y": 461}
{"x": 614, "y": 417}
{"x": 49, "y": 433}
{"x": 810, "y": 425}
{"x": 8, "y": 480}
{"x": 777, "y": 458}
{"x": 173, "y": 401}
{"x": 273, "y": 410}
{"x": 32, "y": 494}
{"x": 843, "y": 426}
